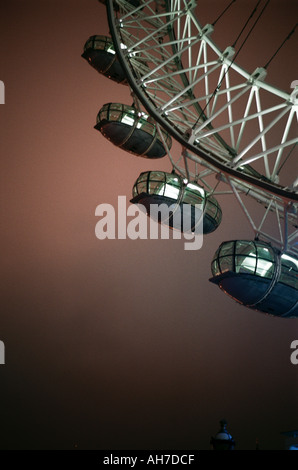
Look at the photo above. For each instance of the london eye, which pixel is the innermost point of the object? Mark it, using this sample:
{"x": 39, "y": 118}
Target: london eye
{"x": 224, "y": 130}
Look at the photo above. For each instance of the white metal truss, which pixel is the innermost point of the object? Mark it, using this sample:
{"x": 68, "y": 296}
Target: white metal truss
{"x": 232, "y": 125}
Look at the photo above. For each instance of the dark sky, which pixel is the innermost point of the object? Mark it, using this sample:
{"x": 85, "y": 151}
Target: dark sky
{"x": 118, "y": 344}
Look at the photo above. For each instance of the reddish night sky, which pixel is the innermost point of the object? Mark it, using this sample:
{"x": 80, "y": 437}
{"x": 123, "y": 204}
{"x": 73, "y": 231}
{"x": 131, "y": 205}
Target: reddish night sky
{"x": 119, "y": 344}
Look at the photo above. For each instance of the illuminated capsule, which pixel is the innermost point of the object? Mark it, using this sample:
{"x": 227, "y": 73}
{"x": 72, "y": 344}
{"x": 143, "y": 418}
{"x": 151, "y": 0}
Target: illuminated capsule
{"x": 132, "y": 131}
{"x": 258, "y": 276}
{"x": 100, "y": 53}
{"x": 154, "y": 188}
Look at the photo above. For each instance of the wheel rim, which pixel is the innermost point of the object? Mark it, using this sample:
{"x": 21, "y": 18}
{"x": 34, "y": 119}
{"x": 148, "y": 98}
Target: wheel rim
{"x": 167, "y": 62}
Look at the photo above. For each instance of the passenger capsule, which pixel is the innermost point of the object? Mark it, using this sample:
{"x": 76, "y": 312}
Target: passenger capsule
{"x": 257, "y": 275}
{"x": 154, "y": 188}
{"x": 100, "y": 53}
{"x": 131, "y": 130}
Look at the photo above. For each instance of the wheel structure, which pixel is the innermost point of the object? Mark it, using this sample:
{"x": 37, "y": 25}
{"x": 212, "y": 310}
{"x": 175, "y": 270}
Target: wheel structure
{"x": 236, "y": 131}
{"x": 235, "y": 134}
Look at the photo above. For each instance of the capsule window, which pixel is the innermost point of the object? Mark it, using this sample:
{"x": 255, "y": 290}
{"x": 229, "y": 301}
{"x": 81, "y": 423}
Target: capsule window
{"x": 193, "y": 194}
{"x": 146, "y": 126}
{"x": 103, "y": 115}
{"x": 226, "y": 263}
{"x": 98, "y": 44}
{"x": 265, "y": 253}
{"x": 264, "y": 268}
{"x": 213, "y": 209}
{"x": 115, "y": 113}
{"x": 156, "y": 187}
{"x": 142, "y": 187}
{"x": 245, "y": 247}
{"x": 245, "y": 264}
{"x": 127, "y": 119}
{"x": 227, "y": 249}
{"x": 245, "y": 256}
{"x": 157, "y": 176}
{"x": 171, "y": 191}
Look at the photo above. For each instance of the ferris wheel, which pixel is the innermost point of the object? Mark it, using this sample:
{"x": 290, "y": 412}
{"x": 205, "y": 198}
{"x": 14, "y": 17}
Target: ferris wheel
{"x": 225, "y": 131}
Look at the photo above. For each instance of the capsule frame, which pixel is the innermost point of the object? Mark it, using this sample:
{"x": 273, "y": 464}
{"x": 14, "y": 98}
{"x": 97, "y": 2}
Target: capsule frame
{"x": 100, "y": 53}
{"x": 132, "y": 131}
{"x": 159, "y": 187}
